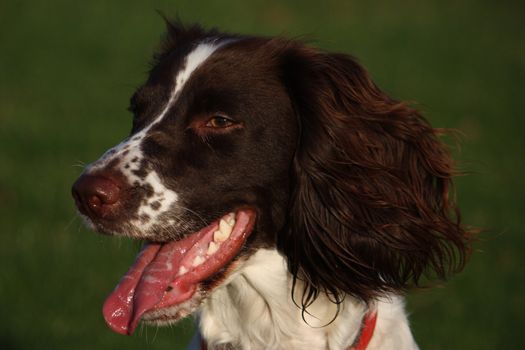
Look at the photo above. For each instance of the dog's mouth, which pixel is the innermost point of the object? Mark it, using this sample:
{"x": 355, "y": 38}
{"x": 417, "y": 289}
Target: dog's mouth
{"x": 167, "y": 274}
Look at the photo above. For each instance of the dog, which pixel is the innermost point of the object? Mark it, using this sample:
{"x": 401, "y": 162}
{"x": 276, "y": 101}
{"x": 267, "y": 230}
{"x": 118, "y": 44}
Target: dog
{"x": 282, "y": 197}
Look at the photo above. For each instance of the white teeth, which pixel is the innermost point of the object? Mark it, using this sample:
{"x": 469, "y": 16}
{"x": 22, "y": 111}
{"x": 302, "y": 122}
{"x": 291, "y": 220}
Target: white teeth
{"x": 212, "y": 248}
{"x": 230, "y": 219}
{"x": 197, "y": 261}
{"x": 226, "y": 224}
{"x": 219, "y": 236}
{"x": 224, "y": 227}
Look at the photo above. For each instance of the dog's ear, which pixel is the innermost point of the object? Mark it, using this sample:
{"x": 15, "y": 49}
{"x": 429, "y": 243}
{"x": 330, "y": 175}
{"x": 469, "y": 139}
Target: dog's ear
{"x": 370, "y": 210}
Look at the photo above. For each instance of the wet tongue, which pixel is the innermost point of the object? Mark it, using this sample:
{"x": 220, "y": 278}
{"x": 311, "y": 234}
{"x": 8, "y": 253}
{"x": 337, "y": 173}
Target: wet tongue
{"x": 145, "y": 283}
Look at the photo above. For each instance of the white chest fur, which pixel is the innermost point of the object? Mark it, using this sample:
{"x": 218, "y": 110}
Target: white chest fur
{"x": 254, "y": 310}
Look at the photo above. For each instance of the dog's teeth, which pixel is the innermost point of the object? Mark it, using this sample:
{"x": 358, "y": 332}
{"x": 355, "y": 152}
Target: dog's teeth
{"x": 212, "y": 248}
{"x": 224, "y": 227}
{"x": 220, "y": 236}
{"x": 182, "y": 270}
{"x": 198, "y": 260}
{"x": 230, "y": 219}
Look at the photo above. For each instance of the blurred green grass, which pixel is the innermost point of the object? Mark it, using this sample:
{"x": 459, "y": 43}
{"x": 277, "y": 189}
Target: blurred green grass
{"x": 68, "y": 68}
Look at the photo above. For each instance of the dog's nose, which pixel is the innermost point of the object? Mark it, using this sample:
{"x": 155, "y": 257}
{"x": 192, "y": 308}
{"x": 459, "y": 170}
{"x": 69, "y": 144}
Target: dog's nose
{"x": 95, "y": 196}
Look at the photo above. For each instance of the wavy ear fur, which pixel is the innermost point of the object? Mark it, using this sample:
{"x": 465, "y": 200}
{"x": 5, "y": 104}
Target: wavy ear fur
{"x": 370, "y": 210}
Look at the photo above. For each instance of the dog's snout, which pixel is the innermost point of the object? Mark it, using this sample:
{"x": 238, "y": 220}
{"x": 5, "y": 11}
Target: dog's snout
{"x": 96, "y": 196}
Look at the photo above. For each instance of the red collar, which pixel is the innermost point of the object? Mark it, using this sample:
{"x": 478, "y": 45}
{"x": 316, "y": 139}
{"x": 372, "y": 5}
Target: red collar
{"x": 366, "y": 332}
{"x": 363, "y": 338}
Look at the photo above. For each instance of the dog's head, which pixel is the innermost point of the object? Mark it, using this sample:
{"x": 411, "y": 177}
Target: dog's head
{"x": 242, "y": 142}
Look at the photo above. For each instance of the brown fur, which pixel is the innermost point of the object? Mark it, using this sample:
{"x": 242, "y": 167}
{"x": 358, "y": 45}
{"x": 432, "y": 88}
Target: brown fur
{"x": 370, "y": 210}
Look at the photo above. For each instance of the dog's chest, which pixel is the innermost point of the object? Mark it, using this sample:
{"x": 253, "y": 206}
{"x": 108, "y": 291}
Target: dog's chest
{"x": 255, "y": 311}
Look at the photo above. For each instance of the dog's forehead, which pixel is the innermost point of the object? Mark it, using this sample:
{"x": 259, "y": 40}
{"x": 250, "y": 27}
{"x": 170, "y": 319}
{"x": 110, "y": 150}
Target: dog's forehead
{"x": 175, "y": 68}
{"x": 241, "y": 57}
{"x": 186, "y": 67}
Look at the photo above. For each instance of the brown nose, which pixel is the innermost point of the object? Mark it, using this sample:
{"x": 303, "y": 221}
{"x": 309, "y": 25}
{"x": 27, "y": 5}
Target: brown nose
{"x": 95, "y": 196}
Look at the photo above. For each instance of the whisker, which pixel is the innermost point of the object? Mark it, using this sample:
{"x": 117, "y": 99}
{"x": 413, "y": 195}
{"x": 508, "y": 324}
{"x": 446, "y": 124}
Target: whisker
{"x": 157, "y": 326}
{"x": 195, "y": 213}
{"x": 143, "y": 331}
{"x": 79, "y": 164}
{"x": 73, "y": 219}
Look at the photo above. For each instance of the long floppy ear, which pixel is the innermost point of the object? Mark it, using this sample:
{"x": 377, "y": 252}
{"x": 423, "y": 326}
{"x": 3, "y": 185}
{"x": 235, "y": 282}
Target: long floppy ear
{"x": 370, "y": 210}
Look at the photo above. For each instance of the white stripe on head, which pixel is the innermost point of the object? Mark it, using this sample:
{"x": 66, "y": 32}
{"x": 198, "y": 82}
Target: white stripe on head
{"x": 193, "y": 61}
{"x": 129, "y": 153}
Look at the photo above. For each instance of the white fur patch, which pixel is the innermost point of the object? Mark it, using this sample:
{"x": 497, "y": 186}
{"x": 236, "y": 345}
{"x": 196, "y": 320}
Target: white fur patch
{"x": 130, "y": 157}
{"x": 169, "y": 315}
{"x": 253, "y": 310}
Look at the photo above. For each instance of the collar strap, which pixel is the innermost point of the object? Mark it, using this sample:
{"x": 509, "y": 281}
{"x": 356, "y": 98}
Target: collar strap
{"x": 367, "y": 331}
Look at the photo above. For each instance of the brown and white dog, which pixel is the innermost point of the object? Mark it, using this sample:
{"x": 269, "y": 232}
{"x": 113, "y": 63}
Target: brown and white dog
{"x": 280, "y": 193}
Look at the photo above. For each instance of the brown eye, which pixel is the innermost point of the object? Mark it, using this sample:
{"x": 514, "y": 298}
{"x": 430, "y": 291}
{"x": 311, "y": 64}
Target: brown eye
{"x": 219, "y": 122}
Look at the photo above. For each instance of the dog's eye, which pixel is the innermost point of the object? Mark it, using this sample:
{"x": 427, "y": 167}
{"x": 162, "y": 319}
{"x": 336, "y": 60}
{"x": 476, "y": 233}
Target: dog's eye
{"x": 219, "y": 122}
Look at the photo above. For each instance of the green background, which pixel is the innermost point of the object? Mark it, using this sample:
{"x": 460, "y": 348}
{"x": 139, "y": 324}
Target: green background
{"x": 68, "y": 68}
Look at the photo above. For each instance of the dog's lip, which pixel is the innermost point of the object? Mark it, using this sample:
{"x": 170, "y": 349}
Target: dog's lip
{"x": 153, "y": 281}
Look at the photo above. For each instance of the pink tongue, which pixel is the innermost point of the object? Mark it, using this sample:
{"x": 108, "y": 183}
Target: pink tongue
{"x": 145, "y": 283}
{"x": 144, "y": 287}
